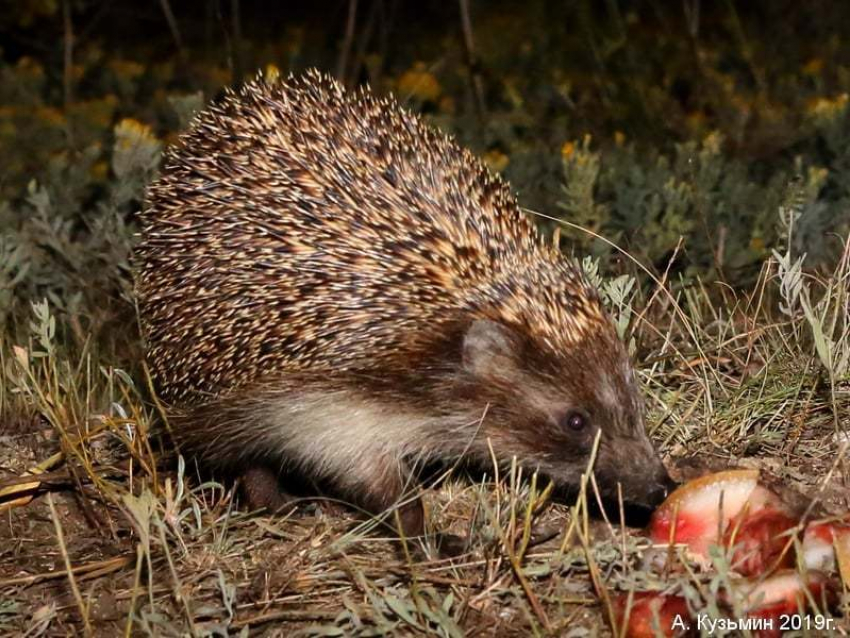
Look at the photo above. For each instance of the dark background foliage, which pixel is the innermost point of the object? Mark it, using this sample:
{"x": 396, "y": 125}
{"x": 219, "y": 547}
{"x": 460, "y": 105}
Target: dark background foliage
{"x": 678, "y": 130}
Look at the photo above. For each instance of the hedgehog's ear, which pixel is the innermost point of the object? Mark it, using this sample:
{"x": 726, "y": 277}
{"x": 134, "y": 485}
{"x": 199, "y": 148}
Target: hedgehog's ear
{"x": 489, "y": 348}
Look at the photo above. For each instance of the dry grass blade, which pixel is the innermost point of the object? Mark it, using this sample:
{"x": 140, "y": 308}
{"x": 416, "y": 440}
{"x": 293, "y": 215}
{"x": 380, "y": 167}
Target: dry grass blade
{"x": 69, "y": 571}
{"x": 20, "y": 486}
{"x": 81, "y": 572}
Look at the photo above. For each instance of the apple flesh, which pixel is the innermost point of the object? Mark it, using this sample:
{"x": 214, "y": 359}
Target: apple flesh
{"x": 761, "y": 542}
{"x": 786, "y": 593}
{"x": 822, "y": 543}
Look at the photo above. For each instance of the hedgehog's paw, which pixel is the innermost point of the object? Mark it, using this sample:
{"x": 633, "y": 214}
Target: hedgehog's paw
{"x": 434, "y": 547}
{"x": 261, "y": 489}
{"x": 450, "y": 545}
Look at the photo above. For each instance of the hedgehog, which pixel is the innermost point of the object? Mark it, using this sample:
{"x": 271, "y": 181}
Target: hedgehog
{"x": 332, "y": 290}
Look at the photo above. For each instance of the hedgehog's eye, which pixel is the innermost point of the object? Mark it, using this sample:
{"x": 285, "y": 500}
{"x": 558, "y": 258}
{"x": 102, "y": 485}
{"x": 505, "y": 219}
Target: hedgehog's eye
{"x": 575, "y": 421}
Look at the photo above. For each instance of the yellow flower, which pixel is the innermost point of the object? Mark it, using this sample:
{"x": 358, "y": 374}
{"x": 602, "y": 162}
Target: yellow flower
{"x": 813, "y": 67}
{"x": 419, "y": 83}
{"x": 578, "y": 152}
{"x": 496, "y": 161}
{"x": 50, "y": 115}
{"x": 30, "y": 67}
{"x": 757, "y": 244}
{"x": 619, "y": 138}
{"x": 98, "y": 171}
{"x": 818, "y": 175}
{"x": 271, "y": 72}
{"x": 126, "y": 69}
{"x": 826, "y": 108}
{"x": 129, "y": 132}
{"x": 713, "y": 142}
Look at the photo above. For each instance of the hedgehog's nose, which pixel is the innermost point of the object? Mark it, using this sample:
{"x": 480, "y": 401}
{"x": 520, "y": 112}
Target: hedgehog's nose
{"x": 661, "y": 490}
{"x": 669, "y": 486}
{"x": 656, "y": 495}
{"x": 641, "y": 503}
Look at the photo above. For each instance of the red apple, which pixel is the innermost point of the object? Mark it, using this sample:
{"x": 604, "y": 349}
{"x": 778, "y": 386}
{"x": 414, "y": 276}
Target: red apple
{"x": 784, "y": 594}
{"x": 699, "y": 511}
{"x": 842, "y": 554}
{"x": 653, "y": 614}
{"x": 761, "y": 541}
{"x": 820, "y": 541}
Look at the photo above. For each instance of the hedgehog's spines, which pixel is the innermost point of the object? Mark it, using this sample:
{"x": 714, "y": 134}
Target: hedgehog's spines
{"x": 296, "y": 225}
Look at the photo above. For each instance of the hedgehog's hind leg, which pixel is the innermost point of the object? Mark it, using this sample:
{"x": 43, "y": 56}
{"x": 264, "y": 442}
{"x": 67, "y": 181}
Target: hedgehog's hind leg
{"x": 261, "y": 487}
{"x": 225, "y": 438}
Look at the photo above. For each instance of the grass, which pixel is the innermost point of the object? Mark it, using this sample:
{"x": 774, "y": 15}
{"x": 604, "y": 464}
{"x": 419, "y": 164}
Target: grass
{"x": 106, "y": 532}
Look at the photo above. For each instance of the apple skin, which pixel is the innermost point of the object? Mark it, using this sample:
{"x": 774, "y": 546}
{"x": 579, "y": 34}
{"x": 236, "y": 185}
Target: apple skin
{"x": 700, "y": 511}
{"x": 646, "y": 607}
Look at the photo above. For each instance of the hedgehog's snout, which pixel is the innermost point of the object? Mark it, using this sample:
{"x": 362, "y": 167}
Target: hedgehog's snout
{"x": 650, "y": 488}
{"x": 660, "y": 490}
{"x": 633, "y": 469}
{"x": 641, "y": 489}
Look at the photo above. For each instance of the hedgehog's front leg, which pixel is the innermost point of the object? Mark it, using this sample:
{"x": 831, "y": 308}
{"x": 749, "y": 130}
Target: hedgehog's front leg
{"x": 383, "y": 484}
{"x": 379, "y": 483}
